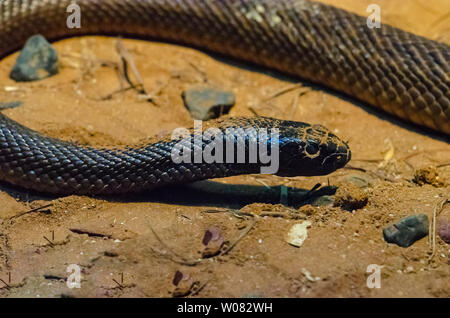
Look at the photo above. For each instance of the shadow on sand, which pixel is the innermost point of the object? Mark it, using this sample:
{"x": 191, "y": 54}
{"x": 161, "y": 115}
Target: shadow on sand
{"x": 202, "y": 193}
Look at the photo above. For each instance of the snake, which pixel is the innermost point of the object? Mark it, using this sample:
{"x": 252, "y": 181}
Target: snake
{"x": 395, "y": 71}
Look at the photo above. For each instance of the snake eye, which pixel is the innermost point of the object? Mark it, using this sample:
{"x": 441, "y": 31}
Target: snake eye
{"x": 312, "y": 148}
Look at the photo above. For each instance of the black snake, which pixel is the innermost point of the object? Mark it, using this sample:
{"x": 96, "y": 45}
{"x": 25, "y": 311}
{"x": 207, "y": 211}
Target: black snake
{"x": 396, "y": 71}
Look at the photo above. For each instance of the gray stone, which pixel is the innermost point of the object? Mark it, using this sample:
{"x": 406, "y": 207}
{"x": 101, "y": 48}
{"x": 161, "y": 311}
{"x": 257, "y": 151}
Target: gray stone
{"x": 6, "y": 105}
{"x": 206, "y": 103}
{"x": 407, "y": 230}
{"x": 359, "y": 180}
{"x": 323, "y": 200}
{"x": 37, "y": 60}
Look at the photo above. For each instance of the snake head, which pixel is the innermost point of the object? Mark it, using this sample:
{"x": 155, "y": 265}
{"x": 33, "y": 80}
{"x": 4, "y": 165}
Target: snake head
{"x": 310, "y": 150}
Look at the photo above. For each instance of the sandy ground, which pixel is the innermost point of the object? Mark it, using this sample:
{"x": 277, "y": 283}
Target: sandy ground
{"x": 134, "y": 245}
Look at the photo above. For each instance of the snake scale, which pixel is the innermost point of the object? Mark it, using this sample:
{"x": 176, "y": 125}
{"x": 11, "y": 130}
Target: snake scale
{"x": 401, "y": 73}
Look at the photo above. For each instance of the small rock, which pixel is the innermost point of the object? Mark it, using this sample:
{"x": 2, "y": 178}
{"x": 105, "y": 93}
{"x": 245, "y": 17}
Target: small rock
{"x": 360, "y": 180}
{"x": 213, "y": 241}
{"x": 298, "y": 233}
{"x": 206, "y": 103}
{"x": 6, "y": 105}
{"x": 443, "y": 229}
{"x": 309, "y": 276}
{"x": 323, "y": 200}
{"x": 409, "y": 269}
{"x": 407, "y": 230}
{"x": 183, "y": 284}
{"x": 37, "y": 60}
{"x": 349, "y": 197}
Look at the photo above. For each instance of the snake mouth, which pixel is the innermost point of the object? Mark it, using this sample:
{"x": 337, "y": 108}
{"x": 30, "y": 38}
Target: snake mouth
{"x": 335, "y": 154}
{"x": 338, "y": 159}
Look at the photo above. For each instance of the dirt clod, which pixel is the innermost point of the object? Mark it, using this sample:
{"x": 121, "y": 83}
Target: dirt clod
{"x": 350, "y": 197}
{"x": 428, "y": 175}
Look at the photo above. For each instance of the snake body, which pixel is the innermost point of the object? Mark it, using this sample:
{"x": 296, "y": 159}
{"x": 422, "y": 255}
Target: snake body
{"x": 33, "y": 161}
{"x": 401, "y": 73}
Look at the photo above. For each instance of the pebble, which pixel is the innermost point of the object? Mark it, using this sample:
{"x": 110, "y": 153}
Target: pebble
{"x": 443, "y": 229}
{"x": 213, "y": 241}
{"x": 298, "y": 233}
{"x": 360, "y": 180}
{"x": 323, "y": 200}
{"x": 6, "y": 105}
{"x": 309, "y": 276}
{"x": 205, "y": 102}
{"x": 183, "y": 284}
{"x": 407, "y": 230}
{"x": 37, "y": 60}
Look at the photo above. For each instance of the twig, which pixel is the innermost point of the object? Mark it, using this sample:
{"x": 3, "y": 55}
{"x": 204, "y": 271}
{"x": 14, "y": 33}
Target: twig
{"x": 7, "y": 286}
{"x": 349, "y": 167}
{"x": 294, "y": 105}
{"x": 240, "y": 215}
{"x": 295, "y": 102}
{"x": 253, "y": 111}
{"x": 50, "y": 242}
{"x": 202, "y": 73}
{"x": 368, "y": 160}
{"x": 437, "y": 22}
{"x": 241, "y": 236}
{"x": 200, "y": 288}
{"x": 406, "y": 158}
{"x": 31, "y": 211}
{"x": 178, "y": 258}
{"x": 291, "y": 214}
{"x": 236, "y": 213}
{"x": 426, "y": 7}
{"x": 120, "y": 90}
{"x": 283, "y": 91}
{"x": 443, "y": 165}
{"x": 89, "y": 233}
{"x": 127, "y": 60}
{"x": 118, "y": 284}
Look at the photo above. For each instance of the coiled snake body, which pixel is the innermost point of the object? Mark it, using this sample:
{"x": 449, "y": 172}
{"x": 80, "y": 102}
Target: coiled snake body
{"x": 401, "y": 73}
